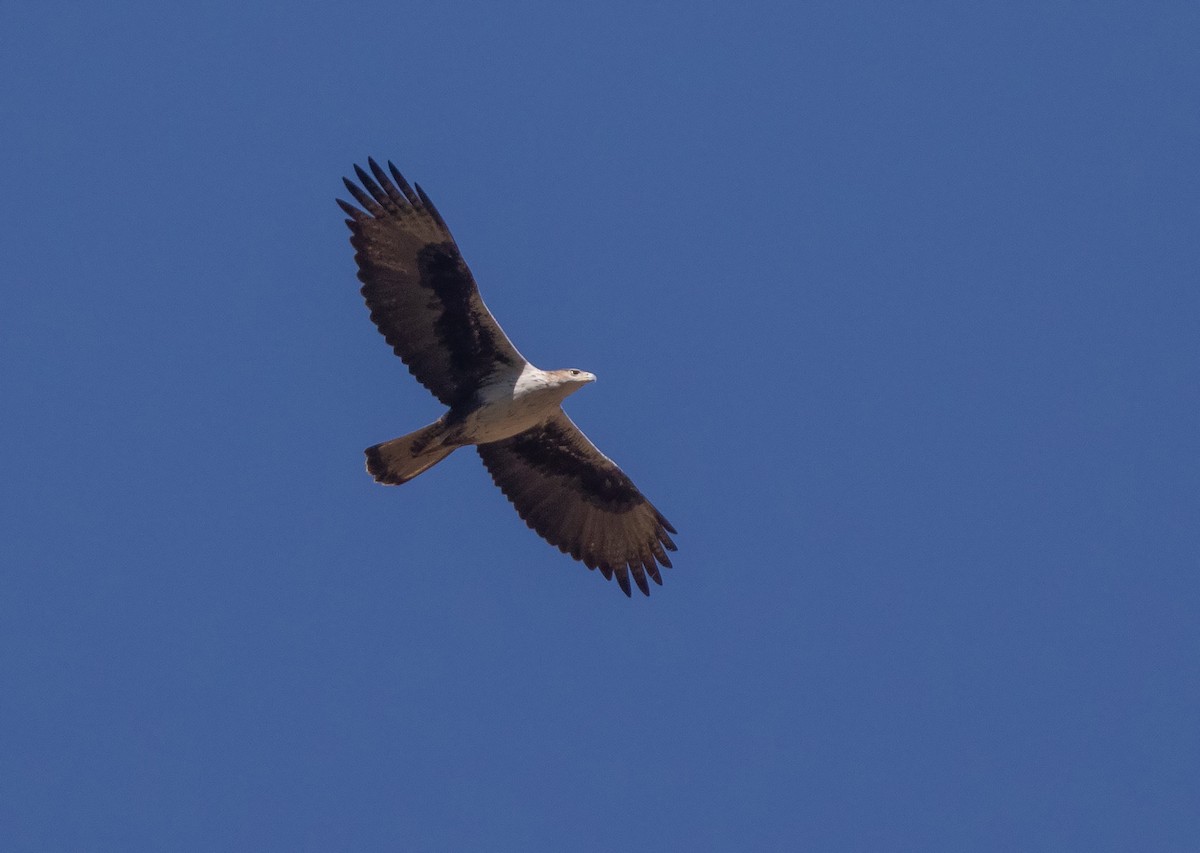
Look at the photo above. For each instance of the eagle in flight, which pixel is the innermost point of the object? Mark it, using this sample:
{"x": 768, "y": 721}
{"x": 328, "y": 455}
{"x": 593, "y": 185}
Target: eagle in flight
{"x": 424, "y": 301}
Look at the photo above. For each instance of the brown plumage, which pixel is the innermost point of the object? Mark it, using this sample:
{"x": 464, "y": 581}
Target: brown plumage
{"x": 424, "y": 301}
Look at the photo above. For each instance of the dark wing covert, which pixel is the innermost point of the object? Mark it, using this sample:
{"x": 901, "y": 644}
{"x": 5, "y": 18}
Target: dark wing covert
{"x": 577, "y": 499}
{"x": 421, "y": 294}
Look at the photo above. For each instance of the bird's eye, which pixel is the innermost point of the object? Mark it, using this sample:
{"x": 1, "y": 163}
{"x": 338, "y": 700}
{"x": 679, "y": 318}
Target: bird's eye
{"x": 574, "y": 372}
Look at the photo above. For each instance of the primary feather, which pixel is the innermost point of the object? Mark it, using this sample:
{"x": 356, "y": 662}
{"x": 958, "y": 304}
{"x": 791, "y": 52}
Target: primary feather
{"x": 425, "y": 302}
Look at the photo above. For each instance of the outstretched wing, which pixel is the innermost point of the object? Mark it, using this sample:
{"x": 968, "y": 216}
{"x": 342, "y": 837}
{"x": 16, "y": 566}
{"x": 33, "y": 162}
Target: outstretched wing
{"x": 420, "y": 292}
{"x": 576, "y": 498}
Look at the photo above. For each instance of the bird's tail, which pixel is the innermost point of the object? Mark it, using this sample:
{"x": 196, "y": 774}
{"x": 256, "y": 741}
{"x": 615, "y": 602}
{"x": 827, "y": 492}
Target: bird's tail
{"x": 399, "y": 460}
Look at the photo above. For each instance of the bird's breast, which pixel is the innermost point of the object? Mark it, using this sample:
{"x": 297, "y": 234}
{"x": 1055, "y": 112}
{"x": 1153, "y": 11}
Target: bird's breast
{"x": 504, "y": 412}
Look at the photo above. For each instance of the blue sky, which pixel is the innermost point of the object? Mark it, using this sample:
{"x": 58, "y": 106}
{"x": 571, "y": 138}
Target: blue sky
{"x": 895, "y": 316}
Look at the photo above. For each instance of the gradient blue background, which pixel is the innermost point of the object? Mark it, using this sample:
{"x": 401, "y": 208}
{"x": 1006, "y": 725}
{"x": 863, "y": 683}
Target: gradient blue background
{"x": 895, "y": 312}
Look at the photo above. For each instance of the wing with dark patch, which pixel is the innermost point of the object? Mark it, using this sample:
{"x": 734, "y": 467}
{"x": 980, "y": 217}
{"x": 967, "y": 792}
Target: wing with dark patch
{"x": 577, "y": 499}
{"x": 421, "y": 295}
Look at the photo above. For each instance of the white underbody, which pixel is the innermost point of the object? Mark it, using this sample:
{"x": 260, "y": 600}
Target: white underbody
{"x": 515, "y": 403}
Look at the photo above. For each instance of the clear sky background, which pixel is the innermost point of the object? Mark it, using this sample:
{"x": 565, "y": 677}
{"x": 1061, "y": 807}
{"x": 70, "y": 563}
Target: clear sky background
{"x": 896, "y": 316}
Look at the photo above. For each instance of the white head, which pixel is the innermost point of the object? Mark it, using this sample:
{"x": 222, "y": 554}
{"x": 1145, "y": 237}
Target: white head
{"x": 571, "y": 380}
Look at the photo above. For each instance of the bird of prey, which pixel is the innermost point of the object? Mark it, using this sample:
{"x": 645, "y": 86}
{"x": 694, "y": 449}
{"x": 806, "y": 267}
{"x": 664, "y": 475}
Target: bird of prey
{"x": 424, "y": 301}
